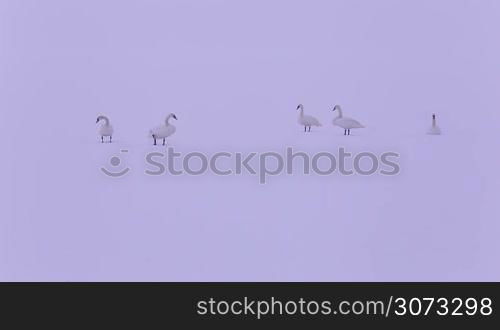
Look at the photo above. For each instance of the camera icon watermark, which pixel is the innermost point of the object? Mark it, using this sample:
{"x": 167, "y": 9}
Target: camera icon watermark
{"x": 115, "y": 162}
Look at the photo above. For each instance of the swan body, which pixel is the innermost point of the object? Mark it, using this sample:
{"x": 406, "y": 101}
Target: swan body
{"x": 434, "y": 129}
{"x": 164, "y": 131}
{"x": 306, "y": 120}
{"x": 106, "y": 129}
{"x": 345, "y": 122}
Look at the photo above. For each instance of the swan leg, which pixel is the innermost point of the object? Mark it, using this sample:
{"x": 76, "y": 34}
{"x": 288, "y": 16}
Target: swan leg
{"x": 102, "y": 139}
{"x": 345, "y": 132}
{"x": 309, "y": 128}
{"x": 163, "y": 141}
{"x": 110, "y": 139}
{"x": 154, "y": 139}
{"x": 305, "y": 128}
{"x": 348, "y": 132}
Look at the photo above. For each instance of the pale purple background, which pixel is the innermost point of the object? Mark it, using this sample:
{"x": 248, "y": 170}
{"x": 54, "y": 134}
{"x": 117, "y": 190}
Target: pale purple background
{"x": 233, "y": 72}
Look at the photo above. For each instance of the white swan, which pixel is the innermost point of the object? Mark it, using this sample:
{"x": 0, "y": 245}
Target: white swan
{"x": 305, "y": 120}
{"x": 106, "y": 129}
{"x": 346, "y": 123}
{"x": 164, "y": 131}
{"x": 434, "y": 130}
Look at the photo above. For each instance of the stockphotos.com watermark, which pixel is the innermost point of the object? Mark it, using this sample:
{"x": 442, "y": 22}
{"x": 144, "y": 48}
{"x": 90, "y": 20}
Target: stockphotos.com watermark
{"x": 263, "y": 165}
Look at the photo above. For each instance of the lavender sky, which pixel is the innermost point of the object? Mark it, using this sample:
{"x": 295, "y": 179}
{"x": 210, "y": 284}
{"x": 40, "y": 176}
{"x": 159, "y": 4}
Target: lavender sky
{"x": 234, "y": 72}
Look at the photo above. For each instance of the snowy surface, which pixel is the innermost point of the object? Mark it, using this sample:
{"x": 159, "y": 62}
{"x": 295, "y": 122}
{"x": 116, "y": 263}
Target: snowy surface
{"x": 233, "y": 72}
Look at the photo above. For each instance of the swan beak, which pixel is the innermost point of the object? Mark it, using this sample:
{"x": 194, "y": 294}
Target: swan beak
{"x": 298, "y": 107}
{"x": 97, "y": 120}
{"x": 175, "y": 117}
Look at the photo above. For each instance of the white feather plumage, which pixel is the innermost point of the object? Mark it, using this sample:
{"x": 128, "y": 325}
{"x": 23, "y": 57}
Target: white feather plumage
{"x": 434, "y": 129}
{"x": 106, "y": 129}
{"x": 306, "y": 120}
{"x": 345, "y": 122}
{"x": 164, "y": 131}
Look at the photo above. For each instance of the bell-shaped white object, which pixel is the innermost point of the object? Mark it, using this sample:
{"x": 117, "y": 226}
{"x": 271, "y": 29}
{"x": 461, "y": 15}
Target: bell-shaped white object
{"x": 434, "y": 129}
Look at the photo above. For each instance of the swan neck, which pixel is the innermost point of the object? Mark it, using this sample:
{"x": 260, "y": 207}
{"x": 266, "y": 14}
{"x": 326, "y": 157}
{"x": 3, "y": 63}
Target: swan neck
{"x": 433, "y": 122}
{"x": 301, "y": 112}
{"x": 167, "y": 120}
{"x": 340, "y": 112}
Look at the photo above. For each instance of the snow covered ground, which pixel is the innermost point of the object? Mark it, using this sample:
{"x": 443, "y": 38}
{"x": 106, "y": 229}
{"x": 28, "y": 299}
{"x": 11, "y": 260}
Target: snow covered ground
{"x": 233, "y": 72}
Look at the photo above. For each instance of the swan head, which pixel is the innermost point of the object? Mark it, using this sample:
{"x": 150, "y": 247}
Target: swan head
{"x": 434, "y": 116}
{"x": 99, "y": 118}
{"x": 300, "y": 106}
{"x": 171, "y": 115}
{"x": 336, "y": 107}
